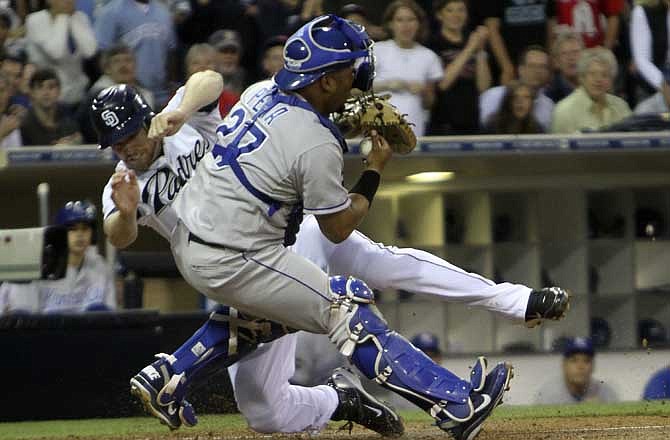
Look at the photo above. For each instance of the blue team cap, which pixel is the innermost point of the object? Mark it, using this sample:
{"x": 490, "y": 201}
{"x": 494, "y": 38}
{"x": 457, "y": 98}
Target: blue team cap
{"x": 578, "y": 345}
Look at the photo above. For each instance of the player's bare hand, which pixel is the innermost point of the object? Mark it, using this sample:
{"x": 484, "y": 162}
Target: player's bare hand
{"x": 379, "y": 154}
{"x": 166, "y": 123}
{"x": 125, "y": 192}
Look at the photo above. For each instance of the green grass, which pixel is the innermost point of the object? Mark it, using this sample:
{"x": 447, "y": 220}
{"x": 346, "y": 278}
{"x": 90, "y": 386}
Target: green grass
{"x": 144, "y": 425}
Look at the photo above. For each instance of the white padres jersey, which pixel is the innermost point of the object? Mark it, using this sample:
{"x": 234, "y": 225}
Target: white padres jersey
{"x": 287, "y": 155}
{"x": 168, "y": 174}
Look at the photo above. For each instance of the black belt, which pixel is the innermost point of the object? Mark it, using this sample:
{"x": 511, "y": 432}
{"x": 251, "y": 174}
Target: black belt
{"x": 195, "y": 238}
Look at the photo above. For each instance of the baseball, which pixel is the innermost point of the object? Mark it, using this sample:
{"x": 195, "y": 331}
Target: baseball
{"x": 366, "y": 146}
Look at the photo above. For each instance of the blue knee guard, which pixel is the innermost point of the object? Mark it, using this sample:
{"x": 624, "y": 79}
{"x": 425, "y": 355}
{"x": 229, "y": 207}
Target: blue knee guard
{"x": 226, "y": 337}
{"x": 360, "y": 332}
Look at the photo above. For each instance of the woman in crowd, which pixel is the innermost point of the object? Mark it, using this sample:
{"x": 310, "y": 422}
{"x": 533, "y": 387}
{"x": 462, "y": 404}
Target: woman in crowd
{"x": 466, "y": 71}
{"x": 591, "y": 106}
{"x": 515, "y": 115}
{"x": 404, "y": 67}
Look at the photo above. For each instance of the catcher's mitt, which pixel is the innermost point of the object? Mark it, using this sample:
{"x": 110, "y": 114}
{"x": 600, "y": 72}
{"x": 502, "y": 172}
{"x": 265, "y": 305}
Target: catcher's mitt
{"x": 372, "y": 112}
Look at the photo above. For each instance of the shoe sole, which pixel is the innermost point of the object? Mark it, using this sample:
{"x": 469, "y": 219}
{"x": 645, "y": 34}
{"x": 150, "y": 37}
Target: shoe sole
{"x": 138, "y": 390}
{"x": 506, "y": 387}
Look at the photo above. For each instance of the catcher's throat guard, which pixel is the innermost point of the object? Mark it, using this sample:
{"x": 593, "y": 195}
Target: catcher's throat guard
{"x": 367, "y": 112}
{"x": 359, "y": 331}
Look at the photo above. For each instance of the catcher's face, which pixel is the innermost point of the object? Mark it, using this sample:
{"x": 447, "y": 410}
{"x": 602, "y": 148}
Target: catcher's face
{"x": 338, "y": 86}
{"x": 137, "y": 151}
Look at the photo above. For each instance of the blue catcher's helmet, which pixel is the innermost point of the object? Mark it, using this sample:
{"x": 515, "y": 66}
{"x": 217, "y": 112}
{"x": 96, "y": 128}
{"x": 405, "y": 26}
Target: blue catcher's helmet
{"x": 79, "y": 211}
{"x": 118, "y": 112}
{"x": 323, "y": 45}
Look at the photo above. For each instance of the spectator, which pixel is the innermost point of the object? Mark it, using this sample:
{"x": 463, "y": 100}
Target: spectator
{"x": 61, "y": 38}
{"x": 10, "y": 117}
{"x": 118, "y": 66}
{"x": 658, "y": 386}
{"x": 13, "y": 68}
{"x": 88, "y": 284}
{"x": 358, "y": 14}
{"x": 566, "y": 50}
{"x": 412, "y": 89}
{"x": 228, "y": 55}
{"x": 533, "y": 73}
{"x": 272, "y": 59}
{"x": 466, "y": 71}
{"x": 429, "y": 344}
{"x": 5, "y": 26}
{"x": 591, "y": 106}
{"x": 656, "y": 103}
{"x": 516, "y": 113}
{"x": 577, "y": 384}
{"x": 513, "y": 26}
{"x": 146, "y": 27}
{"x": 649, "y": 40}
{"x": 276, "y": 17}
{"x": 200, "y": 57}
{"x": 585, "y": 18}
{"x": 48, "y": 122}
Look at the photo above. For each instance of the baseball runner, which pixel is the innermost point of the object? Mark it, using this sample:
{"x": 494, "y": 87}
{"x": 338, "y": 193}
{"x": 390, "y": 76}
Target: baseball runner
{"x": 463, "y": 284}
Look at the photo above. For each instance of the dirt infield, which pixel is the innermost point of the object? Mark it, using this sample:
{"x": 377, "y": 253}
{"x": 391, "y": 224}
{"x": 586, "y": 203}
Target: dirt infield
{"x": 565, "y": 428}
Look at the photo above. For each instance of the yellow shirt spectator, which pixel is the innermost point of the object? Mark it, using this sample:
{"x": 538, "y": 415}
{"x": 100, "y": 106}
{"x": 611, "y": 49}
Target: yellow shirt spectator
{"x": 591, "y": 105}
{"x": 579, "y": 111}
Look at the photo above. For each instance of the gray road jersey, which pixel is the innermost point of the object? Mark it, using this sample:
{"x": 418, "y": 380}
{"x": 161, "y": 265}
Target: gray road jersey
{"x": 288, "y": 155}
{"x": 166, "y": 176}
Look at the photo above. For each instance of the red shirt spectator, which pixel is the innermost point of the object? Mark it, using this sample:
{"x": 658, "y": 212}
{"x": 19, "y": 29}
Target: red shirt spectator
{"x": 584, "y": 17}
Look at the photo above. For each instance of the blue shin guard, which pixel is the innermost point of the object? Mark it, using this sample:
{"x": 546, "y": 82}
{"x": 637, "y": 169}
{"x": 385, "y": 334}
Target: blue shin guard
{"x": 226, "y": 337}
{"x": 385, "y": 356}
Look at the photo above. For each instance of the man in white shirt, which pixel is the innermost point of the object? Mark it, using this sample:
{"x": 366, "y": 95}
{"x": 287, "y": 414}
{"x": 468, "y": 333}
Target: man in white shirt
{"x": 533, "y": 71}
{"x": 61, "y": 38}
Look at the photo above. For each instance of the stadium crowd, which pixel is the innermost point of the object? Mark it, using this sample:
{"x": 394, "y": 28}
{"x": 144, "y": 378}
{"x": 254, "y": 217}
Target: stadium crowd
{"x": 455, "y": 67}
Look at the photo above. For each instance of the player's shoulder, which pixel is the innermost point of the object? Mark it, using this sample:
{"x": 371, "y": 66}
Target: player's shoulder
{"x": 286, "y": 121}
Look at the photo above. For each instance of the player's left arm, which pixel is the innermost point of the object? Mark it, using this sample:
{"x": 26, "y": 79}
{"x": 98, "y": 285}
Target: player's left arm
{"x": 201, "y": 89}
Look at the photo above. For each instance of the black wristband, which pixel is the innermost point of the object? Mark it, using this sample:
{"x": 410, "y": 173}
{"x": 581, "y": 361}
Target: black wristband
{"x": 367, "y": 185}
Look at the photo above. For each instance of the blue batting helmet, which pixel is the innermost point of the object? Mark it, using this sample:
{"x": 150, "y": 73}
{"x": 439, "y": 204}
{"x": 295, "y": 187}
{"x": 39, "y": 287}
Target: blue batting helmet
{"x": 426, "y": 342}
{"x": 79, "y": 211}
{"x": 118, "y": 112}
{"x": 323, "y": 45}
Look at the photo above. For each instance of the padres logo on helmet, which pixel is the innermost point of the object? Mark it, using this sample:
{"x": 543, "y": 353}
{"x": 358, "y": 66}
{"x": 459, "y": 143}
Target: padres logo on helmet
{"x": 110, "y": 119}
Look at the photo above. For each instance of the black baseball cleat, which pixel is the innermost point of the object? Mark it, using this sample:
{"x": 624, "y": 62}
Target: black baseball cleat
{"x": 147, "y": 386}
{"x": 496, "y": 384}
{"x": 358, "y": 406}
{"x": 548, "y": 303}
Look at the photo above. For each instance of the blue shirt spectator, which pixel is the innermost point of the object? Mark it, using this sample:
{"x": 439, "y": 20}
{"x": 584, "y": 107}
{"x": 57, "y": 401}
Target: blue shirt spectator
{"x": 658, "y": 386}
{"x": 147, "y": 28}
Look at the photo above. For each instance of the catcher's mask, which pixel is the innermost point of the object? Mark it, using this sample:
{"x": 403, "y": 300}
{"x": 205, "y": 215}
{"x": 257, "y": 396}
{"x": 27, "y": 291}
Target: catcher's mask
{"x": 323, "y": 45}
